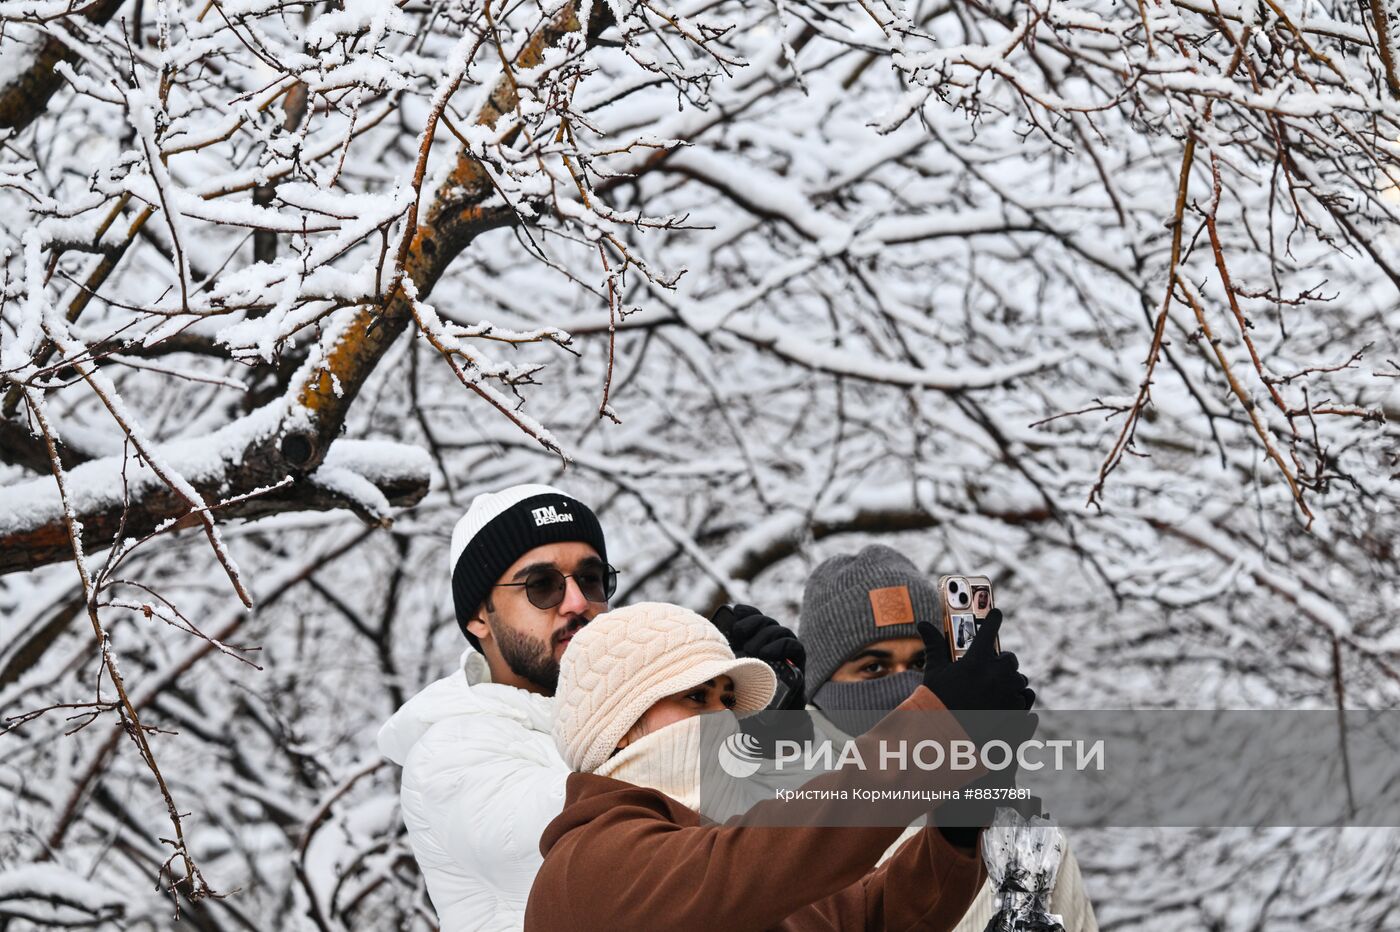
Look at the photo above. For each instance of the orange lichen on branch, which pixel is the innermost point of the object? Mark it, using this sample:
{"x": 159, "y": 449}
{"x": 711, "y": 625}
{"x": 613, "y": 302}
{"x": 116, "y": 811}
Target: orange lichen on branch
{"x": 323, "y": 387}
{"x": 451, "y": 220}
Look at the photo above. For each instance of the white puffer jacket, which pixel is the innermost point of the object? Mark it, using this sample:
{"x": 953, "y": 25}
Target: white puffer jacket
{"x": 481, "y": 780}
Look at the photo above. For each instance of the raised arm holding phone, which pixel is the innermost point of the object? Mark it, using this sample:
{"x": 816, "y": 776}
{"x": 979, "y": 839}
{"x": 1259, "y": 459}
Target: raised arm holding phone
{"x": 630, "y": 692}
{"x": 876, "y": 627}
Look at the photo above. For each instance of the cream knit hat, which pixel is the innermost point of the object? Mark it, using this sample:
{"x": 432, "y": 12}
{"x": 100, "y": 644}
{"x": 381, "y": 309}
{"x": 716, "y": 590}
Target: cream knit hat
{"x": 625, "y": 660}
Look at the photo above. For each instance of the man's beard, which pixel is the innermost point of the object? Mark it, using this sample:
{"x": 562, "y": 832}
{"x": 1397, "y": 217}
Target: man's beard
{"x": 530, "y": 658}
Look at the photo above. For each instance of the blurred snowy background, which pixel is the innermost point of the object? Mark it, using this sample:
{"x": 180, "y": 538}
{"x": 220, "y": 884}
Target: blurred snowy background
{"x": 1096, "y": 298}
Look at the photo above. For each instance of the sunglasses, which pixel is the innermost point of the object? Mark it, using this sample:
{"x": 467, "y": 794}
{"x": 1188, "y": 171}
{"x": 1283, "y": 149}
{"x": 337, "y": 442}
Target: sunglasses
{"x": 545, "y": 587}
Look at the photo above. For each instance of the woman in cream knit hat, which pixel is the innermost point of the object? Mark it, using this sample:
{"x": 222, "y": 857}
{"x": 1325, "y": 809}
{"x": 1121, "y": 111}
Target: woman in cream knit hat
{"x": 630, "y": 851}
{"x": 645, "y": 667}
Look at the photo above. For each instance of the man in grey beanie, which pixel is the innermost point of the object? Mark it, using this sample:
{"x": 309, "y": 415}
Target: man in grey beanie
{"x": 859, "y": 621}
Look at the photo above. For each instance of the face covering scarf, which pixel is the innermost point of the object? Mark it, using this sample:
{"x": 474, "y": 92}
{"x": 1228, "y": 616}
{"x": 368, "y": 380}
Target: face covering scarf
{"x": 681, "y": 761}
{"x": 667, "y": 760}
{"x": 880, "y": 695}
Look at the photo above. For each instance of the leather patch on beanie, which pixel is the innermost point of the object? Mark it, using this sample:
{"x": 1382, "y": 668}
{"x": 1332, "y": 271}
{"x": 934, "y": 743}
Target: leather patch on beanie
{"x": 892, "y": 606}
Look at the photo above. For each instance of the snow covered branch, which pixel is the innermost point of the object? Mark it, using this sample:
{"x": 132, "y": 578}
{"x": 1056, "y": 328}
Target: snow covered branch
{"x": 31, "y": 75}
{"x": 120, "y": 499}
{"x": 48, "y": 894}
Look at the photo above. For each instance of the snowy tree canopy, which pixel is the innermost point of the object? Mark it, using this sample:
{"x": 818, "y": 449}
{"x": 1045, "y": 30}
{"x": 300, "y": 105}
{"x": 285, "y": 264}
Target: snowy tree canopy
{"x": 1097, "y": 298}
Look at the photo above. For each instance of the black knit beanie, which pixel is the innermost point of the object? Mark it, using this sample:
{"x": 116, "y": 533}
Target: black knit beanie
{"x": 500, "y": 526}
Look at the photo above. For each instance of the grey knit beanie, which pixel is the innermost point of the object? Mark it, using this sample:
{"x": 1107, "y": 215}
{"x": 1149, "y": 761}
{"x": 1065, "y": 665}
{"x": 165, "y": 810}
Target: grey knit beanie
{"x": 854, "y": 600}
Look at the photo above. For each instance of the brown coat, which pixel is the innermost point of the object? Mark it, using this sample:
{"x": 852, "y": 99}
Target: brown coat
{"x": 622, "y": 858}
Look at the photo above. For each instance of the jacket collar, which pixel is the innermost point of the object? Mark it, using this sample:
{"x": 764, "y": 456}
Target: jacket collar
{"x": 532, "y": 710}
{"x": 467, "y": 691}
{"x": 474, "y": 668}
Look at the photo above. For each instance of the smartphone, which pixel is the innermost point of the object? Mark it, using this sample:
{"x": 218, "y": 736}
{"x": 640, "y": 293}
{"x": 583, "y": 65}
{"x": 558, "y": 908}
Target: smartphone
{"x": 967, "y": 600}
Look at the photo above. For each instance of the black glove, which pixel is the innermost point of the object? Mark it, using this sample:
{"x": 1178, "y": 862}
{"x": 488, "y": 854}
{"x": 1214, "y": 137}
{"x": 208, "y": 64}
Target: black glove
{"x": 753, "y": 634}
{"x": 983, "y": 678}
{"x": 756, "y": 635}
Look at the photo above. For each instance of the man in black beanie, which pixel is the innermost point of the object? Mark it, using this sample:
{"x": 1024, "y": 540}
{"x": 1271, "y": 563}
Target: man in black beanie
{"x": 529, "y": 568}
{"x": 482, "y": 776}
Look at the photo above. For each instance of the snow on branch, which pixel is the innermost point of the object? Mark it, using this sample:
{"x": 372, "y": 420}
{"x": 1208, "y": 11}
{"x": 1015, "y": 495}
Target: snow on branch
{"x": 47, "y": 893}
{"x": 124, "y": 494}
